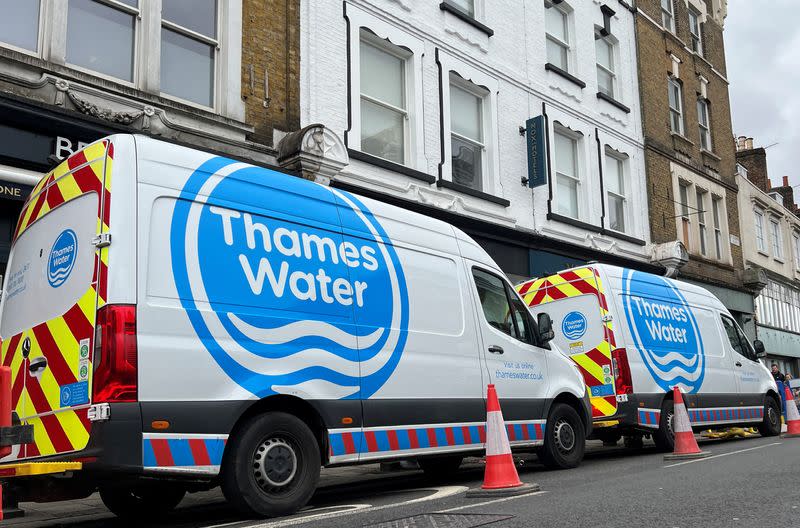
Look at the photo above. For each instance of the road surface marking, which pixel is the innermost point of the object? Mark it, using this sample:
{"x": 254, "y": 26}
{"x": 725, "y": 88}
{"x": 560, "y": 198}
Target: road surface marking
{"x": 484, "y": 503}
{"x": 441, "y": 493}
{"x": 723, "y": 454}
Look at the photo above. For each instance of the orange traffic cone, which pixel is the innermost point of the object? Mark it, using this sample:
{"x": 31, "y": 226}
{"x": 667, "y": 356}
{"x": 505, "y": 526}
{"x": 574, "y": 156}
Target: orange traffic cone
{"x": 500, "y": 476}
{"x": 792, "y": 415}
{"x": 685, "y": 444}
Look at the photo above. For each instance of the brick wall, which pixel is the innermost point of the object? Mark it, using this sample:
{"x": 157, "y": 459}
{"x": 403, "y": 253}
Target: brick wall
{"x": 755, "y": 161}
{"x": 656, "y": 50}
{"x": 271, "y": 48}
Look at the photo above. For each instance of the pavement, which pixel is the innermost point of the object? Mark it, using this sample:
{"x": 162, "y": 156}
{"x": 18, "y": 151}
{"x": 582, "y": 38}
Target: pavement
{"x": 750, "y": 481}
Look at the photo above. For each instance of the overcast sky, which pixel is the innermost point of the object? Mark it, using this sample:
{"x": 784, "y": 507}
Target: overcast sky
{"x": 762, "y": 49}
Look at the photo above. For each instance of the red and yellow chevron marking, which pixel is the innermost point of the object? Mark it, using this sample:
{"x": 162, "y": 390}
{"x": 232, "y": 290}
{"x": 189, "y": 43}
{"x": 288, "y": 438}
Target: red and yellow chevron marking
{"x": 37, "y": 401}
{"x": 573, "y": 283}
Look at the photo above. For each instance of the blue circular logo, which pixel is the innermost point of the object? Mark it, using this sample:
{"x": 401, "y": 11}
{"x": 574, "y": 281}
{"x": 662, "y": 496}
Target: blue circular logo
{"x": 574, "y": 325}
{"x": 291, "y": 286}
{"x": 664, "y": 330}
{"x": 62, "y": 258}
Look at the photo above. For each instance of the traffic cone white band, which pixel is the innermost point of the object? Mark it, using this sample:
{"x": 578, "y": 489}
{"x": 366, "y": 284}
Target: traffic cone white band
{"x": 791, "y": 411}
{"x": 680, "y": 419}
{"x": 496, "y": 436}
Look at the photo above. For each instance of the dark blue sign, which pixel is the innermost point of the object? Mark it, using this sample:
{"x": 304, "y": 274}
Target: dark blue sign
{"x": 537, "y": 154}
{"x": 75, "y": 394}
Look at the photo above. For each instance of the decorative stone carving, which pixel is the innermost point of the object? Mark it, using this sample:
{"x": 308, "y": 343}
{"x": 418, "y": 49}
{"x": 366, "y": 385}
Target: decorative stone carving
{"x": 314, "y": 152}
{"x": 672, "y": 255}
{"x": 125, "y": 118}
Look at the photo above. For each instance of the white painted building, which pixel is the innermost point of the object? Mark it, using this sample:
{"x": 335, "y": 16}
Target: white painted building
{"x": 430, "y": 98}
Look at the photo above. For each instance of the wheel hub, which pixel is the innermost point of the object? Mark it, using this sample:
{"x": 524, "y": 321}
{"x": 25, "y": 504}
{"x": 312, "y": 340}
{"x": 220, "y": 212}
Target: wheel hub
{"x": 274, "y": 464}
{"x": 564, "y": 436}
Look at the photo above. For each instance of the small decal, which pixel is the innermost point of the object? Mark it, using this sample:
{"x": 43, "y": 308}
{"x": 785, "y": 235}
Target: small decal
{"x": 576, "y": 348}
{"x": 622, "y": 398}
{"x": 83, "y": 360}
{"x": 602, "y": 390}
{"x": 574, "y": 325}
{"x": 74, "y": 394}
{"x": 62, "y": 258}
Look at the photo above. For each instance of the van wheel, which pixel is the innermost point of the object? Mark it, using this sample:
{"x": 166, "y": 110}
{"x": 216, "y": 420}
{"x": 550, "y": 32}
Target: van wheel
{"x": 564, "y": 439}
{"x": 771, "y": 426}
{"x": 440, "y": 467}
{"x": 271, "y": 466}
{"x": 141, "y": 500}
{"x": 664, "y": 437}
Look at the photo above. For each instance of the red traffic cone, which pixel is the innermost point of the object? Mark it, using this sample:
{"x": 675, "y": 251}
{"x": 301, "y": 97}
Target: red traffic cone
{"x": 685, "y": 444}
{"x": 792, "y": 415}
{"x": 500, "y": 477}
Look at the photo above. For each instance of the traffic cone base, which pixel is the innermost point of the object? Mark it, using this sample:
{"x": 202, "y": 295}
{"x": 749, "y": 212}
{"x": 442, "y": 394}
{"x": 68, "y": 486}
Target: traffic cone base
{"x": 500, "y": 477}
{"x": 792, "y": 415}
{"x": 685, "y": 445}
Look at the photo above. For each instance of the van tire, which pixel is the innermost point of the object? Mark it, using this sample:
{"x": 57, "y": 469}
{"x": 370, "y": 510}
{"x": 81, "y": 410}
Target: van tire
{"x": 663, "y": 436}
{"x": 564, "y": 439}
{"x": 771, "y": 426}
{"x": 140, "y": 501}
{"x": 263, "y": 485}
{"x": 436, "y": 468}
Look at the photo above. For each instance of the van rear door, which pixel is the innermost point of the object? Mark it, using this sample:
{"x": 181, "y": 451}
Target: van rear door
{"x": 575, "y": 300}
{"x": 50, "y": 300}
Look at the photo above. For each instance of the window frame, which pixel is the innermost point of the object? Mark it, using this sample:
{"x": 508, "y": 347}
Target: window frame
{"x": 745, "y": 348}
{"x": 674, "y": 82}
{"x": 40, "y": 31}
{"x": 565, "y": 45}
{"x": 704, "y": 128}
{"x": 622, "y": 164}
{"x": 670, "y": 13}
{"x": 760, "y": 231}
{"x": 464, "y": 85}
{"x": 776, "y": 239}
{"x": 684, "y": 213}
{"x": 368, "y": 38}
{"x": 611, "y": 42}
{"x": 512, "y": 301}
{"x": 575, "y": 138}
{"x": 696, "y": 38}
{"x": 702, "y": 230}
{"x": 716, "y": 204}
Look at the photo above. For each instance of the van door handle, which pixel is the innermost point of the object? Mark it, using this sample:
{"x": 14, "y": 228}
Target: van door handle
{"x": 494, "y": 349}
{"x": 37, "y": 365}
{"x": 738, "y": 364}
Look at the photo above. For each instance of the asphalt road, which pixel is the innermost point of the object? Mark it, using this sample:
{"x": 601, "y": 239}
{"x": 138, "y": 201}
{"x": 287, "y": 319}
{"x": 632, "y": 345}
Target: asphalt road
{"x": 751, "y": 481}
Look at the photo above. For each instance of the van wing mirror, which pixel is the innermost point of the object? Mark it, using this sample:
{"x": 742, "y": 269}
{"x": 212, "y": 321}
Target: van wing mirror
{"x": 545, "y": 325}
{"x": 758, "y": 346}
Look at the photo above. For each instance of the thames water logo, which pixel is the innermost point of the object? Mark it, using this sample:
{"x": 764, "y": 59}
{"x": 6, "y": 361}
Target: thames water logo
{"x": 664, "y": 330}
{"x": 574, "y": 325}
{"x": 308, "y": 296}
{"x": 62, "y": 258}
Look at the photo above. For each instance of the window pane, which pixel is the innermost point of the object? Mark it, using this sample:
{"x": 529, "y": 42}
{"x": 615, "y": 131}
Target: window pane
{"x": 684, "y": 190}
{"x": 605, "y": 83}
{"x": 733, "y": 336}
{"x": 565, "y": 155}
{"x": 465, "y": 114}
{"x": 674, "y": 95}
{"x": 494, "y": 302}
{"x": 701, "y": 207}
{"x": 184, "y": 58}
{"x": 715, "y": 208}
{"x": 555, "y": 22}
{"x": 702, "y": 112}
{"x": 198, "y": 15}
{"x": 616, "y": 215}
{"x": 382, "y": 75}
{"x": 466, "y": 163}
{"x": 467, "y": 6}
{"x": 613, "y": 176}
{"x": 382, "y": 132}
{"x": 567, "y": 196}
{"x": 557, "y": 55}
{"x": 604, "y": 50}
{"x": 100, "y": 38}
{"x": 19, "y": 24}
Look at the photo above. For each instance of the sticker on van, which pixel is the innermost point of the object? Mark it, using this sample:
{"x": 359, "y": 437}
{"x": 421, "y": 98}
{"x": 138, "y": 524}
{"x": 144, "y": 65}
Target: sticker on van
{"x": 62, "y": 258}
{"x": 665, "y": 330}
{"x": 260, "y": 289}
{"x": 574, "y": 325}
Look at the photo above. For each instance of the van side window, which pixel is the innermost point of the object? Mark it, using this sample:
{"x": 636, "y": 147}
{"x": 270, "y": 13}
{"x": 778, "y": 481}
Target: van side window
{"x": 737, "y": 339}
{"x": 502, "y": 310}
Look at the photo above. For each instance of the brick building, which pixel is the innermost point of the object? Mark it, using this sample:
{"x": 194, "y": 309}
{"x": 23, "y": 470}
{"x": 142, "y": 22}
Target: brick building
{"x": 771, "y": 242}
{"x": 219, "y": 75}
{"x": 689, "y": 147}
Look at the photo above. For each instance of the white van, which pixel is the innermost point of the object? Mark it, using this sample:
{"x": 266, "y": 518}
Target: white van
{"x": 170, "y": 314}
{"x": 636, "y": 335}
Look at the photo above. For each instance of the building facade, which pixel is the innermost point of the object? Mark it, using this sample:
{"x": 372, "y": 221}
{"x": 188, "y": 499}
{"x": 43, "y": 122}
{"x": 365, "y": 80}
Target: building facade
{"x": 518, "y": 122}
{"x": 219, "y": 75}
{"x": 689, "y": 146}
{"x": 771, "y": 242}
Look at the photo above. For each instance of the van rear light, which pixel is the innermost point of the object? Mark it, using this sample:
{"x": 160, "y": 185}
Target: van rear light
{"x": 115, "y": 355}
{"x": 622, "y": 371}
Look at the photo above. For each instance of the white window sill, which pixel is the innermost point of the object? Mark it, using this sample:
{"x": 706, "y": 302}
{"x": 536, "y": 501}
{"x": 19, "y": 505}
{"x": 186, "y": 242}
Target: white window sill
{"x": 760, "y": 252}
{"x": 777, "y": 259}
